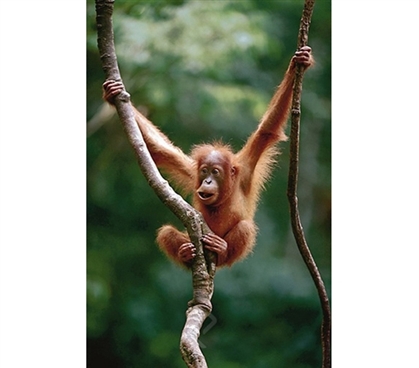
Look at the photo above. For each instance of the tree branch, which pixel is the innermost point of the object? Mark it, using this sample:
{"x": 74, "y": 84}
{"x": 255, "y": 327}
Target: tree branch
{"x": 292, "y": 191}
{"x": 203, "y": 267}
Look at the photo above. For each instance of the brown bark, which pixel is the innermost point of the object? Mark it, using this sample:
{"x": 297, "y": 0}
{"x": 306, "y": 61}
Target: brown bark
{"x": 292, "y": 192}
{"x": 203, "y": 268}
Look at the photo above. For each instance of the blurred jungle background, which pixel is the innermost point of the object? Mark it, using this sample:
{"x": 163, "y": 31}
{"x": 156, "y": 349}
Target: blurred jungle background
{"x": 205, "y": 70}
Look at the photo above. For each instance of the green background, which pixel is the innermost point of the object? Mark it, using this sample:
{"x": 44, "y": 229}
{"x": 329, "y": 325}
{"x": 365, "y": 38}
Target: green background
{"x": 205, "y": 70}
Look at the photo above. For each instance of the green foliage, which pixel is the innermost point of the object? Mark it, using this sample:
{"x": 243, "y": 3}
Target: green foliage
{"x": 205, "y": 70}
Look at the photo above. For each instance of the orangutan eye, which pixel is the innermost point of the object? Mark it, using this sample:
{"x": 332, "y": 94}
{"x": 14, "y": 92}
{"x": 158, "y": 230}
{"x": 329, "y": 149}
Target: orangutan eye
{"x": 215, "y": 172}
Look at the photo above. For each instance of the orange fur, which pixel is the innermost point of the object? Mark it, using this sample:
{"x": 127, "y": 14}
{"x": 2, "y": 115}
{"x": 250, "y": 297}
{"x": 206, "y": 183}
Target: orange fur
{"x": 225, "y": 185}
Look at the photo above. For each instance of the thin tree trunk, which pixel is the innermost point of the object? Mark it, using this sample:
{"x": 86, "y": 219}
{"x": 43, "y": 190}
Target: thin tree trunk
{"x": 203, "y": 268}
{"x": 292, "y": 192}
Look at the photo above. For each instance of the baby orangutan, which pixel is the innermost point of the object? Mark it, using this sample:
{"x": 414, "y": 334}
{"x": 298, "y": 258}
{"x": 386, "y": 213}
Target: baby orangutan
{"x": 225, "y": 185}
